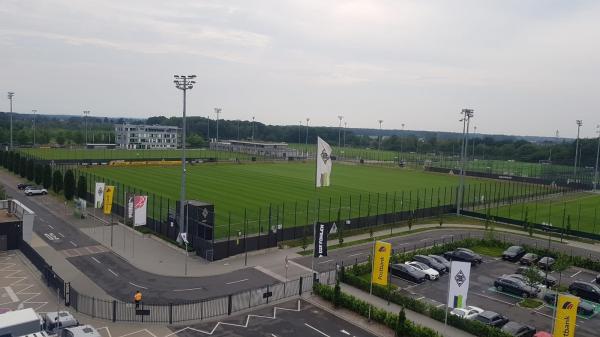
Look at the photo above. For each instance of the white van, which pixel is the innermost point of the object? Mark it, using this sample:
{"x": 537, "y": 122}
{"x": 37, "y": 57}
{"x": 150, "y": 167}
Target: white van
{"x": 55, "y": 321}
{"x": 80, "y": 331}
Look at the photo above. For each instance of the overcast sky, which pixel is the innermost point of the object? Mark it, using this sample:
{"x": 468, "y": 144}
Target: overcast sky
{"x": 526, "y": 67}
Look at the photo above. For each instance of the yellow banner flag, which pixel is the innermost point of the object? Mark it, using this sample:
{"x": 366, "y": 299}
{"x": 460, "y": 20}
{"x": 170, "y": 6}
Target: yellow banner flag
{"x": 381, "y": 261}
{"x": 566, "y": 315}
{"x": 108, "y": 199}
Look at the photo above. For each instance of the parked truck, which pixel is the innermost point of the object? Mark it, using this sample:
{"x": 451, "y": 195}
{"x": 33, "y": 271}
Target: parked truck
{"x": 19, "y": 323}
{"x": 56, "y": 321}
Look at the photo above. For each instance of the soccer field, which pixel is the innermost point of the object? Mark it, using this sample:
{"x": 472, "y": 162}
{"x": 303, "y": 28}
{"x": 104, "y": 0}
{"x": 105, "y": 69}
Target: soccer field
{"x": 581, "y": 209}
{"x": 289, "y": 189}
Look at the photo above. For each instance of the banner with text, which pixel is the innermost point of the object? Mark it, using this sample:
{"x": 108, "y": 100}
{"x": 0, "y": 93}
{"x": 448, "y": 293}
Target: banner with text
{"x": 140, "y": 205}
{"x": 458, "y": 284}
{"x": 381, "y": 263}
{"x": 108, "y": 199}
{"x": 320, "y": 240}
{"x": 99, "y": 195}
{"x": 323, "y": 163}
{"x": 566, "y": 316}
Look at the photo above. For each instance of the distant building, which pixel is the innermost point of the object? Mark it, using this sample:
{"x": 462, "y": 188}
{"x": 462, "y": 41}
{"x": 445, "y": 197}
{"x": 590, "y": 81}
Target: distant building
{"x": 131, "y": 136}
{"x": 266, "y": 149}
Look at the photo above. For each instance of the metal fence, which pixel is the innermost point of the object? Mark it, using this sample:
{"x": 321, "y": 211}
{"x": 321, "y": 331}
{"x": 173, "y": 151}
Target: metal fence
{"x": 49, "y": 276}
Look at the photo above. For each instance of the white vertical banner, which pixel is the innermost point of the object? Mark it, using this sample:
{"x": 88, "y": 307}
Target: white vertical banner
{"x": 323, "y": 163}
{"x": 140, "y": 203}
{"x": 458, "y": 284}
{"x": 130, "y": 207}
{"x": 99, "y": 195}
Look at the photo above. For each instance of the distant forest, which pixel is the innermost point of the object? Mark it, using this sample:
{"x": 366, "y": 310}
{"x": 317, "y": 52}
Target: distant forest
{"x": 70, "y": 130}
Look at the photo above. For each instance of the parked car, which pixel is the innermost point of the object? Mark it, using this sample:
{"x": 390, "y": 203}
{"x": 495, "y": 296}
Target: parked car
{"x": 441, "y": 260}
{"x": 513, "y": 253}
{"x": 529, "y": 259}
{"x": 80, "y": 331}
{"x": 431, "y": 273}
{"x": 542, "y": 334}
{"x": 35, "y": 190}
{"x": 463, "y": 255}
{"x": 525, "y": 280}
{"x": 23, "y": 186}
{"x": 548, "y": 280}
{"x": 491, "y": 318}
{"x": 598, "y": 279}
{"x": 546, "y": 262}
{"x": 584, "y": 308}
{"x": 53, "y": 322}
{"x": 408, "y": 272}
{"x": 518, "y": 330}
{"x": 506, "y": 283}
{"x": 431, "y": 262}
{"x": 469, "y": 312}
{"x": 585, "y": 290}
{"x": 465, "y": 250}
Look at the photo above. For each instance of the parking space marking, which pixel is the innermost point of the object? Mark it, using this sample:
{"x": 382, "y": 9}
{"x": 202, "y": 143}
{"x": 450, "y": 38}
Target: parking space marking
{"x": 188, "y": 289}
{"x": 238, "y": 281}
{"x": 577, "y": 273}
{"x": 137, "y": 286}
{"x": 327, "y": 261}
{"x": 317, "y": 330}
{"x": 345, "y": 332}
{"x": 50, "y": 226}
{"x": 494, "y": 299}
{"x": 110, "y": 270}
{"x": 95, "y": 259}
{"x": 73, "y": 243}
{"x": 420, "y": 298}
{"x": 11, "y": 294}
{"x": 61, "y": 234}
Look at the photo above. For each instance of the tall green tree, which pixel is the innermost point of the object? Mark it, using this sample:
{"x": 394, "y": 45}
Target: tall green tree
{"x": 38, "y": 173}
{"x": 30, "y": 169}
{"x": 23, "y": 167}
{"x": 57, "y": 181}
{"x": 69, "y": 185}
{"x": 82, "y": 187}
{"x": 47, "y": 176}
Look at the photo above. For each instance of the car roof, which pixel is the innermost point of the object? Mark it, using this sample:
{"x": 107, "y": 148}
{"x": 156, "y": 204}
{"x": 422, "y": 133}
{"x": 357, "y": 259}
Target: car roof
{"x": 512, "y": 326}
{"x": 488, "y": 314}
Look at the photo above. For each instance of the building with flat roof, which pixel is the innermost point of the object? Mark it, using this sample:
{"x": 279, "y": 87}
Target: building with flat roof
{"x": 132, "y": 136}
{"x": 266, "y": 149}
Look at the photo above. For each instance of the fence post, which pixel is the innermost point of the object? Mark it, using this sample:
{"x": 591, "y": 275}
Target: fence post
{"x": 300, "y": 286}
{"x": 114, "y": 313}
{"x": 229, "y": 305}
{"x": 170, "y": 313}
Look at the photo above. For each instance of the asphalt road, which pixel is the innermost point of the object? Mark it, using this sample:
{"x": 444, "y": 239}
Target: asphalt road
{"x": 286, "y": 320}
{"x": 118, "y": 277}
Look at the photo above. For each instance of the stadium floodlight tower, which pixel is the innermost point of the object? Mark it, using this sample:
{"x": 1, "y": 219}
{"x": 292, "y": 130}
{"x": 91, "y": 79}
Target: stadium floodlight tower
{"x": 86, "y": 113}
{"x": 217, "y": 112}
{"x": 579, "y": 124}
{"x": 340, "y": 117}
{"x": 10, "y": 97}
{"x": 306, "y": 141}
{"x": 253, "y": 118}
{"x": 183, "y": 83}
{"x": 379, "y": 144}
{"x": 467, "y": 115}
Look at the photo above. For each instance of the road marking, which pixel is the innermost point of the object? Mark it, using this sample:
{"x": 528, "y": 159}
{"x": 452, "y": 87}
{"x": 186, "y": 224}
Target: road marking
{"x": 189, "y": 289}
{"x": 238, "y": 281}
{"x": 95, "y": 259}
{"x": 50, "y": 236}
{"x": 327, "y": 261}
{"x": 11, "y": 294}
{"x": 317, "y": 330}
{"x": 73, "y": 243}
{"x": 135, "y": 285}
{"x": 357, "y": 254}
{"x": 345, "y": 332}
{"x": 494, "y": 299}
{"x": 61, "y": 234}
{"x": 423, "y": 240}
{"x": 439, "y": 305}
{"x": 273, "y": 335}
{"x": 110, "y": 270}
{"x": 50, "y": 226}
{"x": 577, "y": 273}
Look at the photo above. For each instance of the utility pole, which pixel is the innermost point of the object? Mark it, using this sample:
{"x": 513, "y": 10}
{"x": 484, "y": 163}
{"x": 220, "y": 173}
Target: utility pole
{"x": 85, "y": 116}
{"x": 579, "y": 124}
{"x": 468, "y": 114}
{"x": 217, "y": 112}
{"x": 183, "y": 83}
{"x": 340, "y": 117}
{"x": 597, "y": 156}
{"x": 253, "y": 128}
{"x": 34, "y": 112}
{"x": 10, "y": 98}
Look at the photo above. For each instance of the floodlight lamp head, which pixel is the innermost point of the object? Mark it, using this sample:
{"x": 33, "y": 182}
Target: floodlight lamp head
{"x": 191, "y": 76}
{"x": 10, "y": 94}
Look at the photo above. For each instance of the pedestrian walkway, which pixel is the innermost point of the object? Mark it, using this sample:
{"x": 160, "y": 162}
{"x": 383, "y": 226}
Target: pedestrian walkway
{"x": 447, "y": 331}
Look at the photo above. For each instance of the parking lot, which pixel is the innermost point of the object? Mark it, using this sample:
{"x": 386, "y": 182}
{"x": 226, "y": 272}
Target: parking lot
{"x": 483, "y": 294}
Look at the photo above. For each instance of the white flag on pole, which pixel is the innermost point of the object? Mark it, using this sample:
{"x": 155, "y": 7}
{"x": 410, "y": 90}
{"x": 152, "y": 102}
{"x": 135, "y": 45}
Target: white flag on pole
{"x": 99, "y": 195}
{"x": 140, "y": 203}
{"x": 458, "y": 286}
{"x": 323, "y": 163}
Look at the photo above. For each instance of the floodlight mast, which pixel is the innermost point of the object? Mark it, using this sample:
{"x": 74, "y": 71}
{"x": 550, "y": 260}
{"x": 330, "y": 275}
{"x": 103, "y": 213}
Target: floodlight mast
{"x": 579, "y": 123}
{"x": 467, "y": 115}
{"x": 183, "y": 83}
{"x": 340, "y": 117}
{"x": 597, "y": 157}
{"x": 10, "y": 98}
{"x": 86, "y": 113}
{"x": 217, "y": 112}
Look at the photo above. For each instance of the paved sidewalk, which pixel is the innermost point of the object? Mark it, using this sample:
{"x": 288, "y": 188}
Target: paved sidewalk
{"x": 447, "y": 331}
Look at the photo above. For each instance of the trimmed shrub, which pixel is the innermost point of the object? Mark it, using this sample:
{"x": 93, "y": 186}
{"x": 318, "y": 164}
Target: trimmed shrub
{"x": 47, "y": 176}
{"x": 69, "y": 182}
{"x": 57, "y": 181}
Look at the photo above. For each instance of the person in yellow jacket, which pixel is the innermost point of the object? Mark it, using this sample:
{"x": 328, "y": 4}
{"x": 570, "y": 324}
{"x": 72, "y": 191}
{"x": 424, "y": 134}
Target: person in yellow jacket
{"x": 137, "y": 298}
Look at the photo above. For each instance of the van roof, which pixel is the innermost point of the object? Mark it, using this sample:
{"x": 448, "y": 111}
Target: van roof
{"x": 18, "y": 316}
{"x": 84, "y": 330}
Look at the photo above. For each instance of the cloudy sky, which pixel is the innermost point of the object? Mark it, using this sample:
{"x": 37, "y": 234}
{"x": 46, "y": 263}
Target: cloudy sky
{"x": 526, "y": 67}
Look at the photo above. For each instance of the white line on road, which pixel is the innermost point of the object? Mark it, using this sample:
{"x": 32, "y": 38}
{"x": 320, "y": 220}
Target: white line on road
{"x": 238, "y": 281}
{"x": 61, "y": 234}
{"x": 11, "y": 294}
{"x": 345, "y": 332}
{"x": 327, "y": 261}
{"x": 95, "y": 259}
{"x": 577, "y": 273}
{"x": 73, "y": 243}
{"x": 494, "y": 299}
{"x": 50, "y": 226}
{"x": 273, "y": 335}
{"x": 317, "y": 330}
{"x": 135, "y": 285}
{"x": 189, "y": 289}
{"x": 357, "y": 254}
{"x": 110, "y": 270}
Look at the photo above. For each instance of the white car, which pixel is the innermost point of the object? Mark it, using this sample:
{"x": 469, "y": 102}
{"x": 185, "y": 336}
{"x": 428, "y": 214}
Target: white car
{"x": 35, "y": 190}
{"x": 467, "y": 313}
{"x": 431, "y": 273}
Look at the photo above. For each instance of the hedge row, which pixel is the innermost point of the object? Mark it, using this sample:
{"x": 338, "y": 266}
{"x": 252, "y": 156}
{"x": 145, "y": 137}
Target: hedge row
{"x": 396, "y": 322}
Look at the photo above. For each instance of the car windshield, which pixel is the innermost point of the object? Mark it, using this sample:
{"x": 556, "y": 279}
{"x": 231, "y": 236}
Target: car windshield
{"x": 458, "y": 312}
{"x": 420, "y": 265}
{"x": 440, "y": 259}
{"x": 511, "y": 327}
{"x": 513, "y": 249}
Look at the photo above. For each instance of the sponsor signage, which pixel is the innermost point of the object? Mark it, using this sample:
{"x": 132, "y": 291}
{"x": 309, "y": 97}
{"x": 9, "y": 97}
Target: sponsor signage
{"x": 140, "y": 204}
{"x": 320, "y": 241}
{"x": 566, "y": 316}
{"x": 381, "y": 263}
{"x": 108, "y": 199}
{"x": 99, "y": 195}
{"x": 323, "y": 163}
{"x": 458, "y": 284}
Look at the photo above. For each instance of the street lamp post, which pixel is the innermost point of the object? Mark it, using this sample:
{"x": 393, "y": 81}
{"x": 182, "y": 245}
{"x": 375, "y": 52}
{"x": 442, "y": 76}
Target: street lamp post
{"x": 474, "y": 139}
{"x": 253, "y": 128}
{"x": 379, "y": 144}
{"x": 579, "y": 124}
{"x": 345, "y": 127}
{"x": 597, "y": 157}
{"x": 85, "y": 116}
{"x": 217, "y": 112}
{"x": 10, "y": 98}
{"x": 402, "y": 141}
{"x": 299, "y": 130}
{"x": 183, "y": 83}
{"x": 468, "y": 114}
{"x": 34, "y": 112}
{"x": 340, "y": 117}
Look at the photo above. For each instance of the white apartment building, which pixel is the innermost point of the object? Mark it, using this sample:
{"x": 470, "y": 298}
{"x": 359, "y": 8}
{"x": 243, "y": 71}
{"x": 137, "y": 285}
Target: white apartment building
{"x": 131, "y": 136}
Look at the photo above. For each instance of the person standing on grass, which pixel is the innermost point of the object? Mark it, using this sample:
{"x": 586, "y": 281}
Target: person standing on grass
{"x": 137, "y": 298}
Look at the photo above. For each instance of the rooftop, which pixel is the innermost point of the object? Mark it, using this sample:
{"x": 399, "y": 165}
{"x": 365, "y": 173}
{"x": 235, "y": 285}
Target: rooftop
{"x": 7, "y": 217}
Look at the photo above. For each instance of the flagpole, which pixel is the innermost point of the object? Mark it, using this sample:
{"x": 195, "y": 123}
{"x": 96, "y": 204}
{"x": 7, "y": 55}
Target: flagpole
{"x": 315, "y": 217}
{"x": 372, "y": 271}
